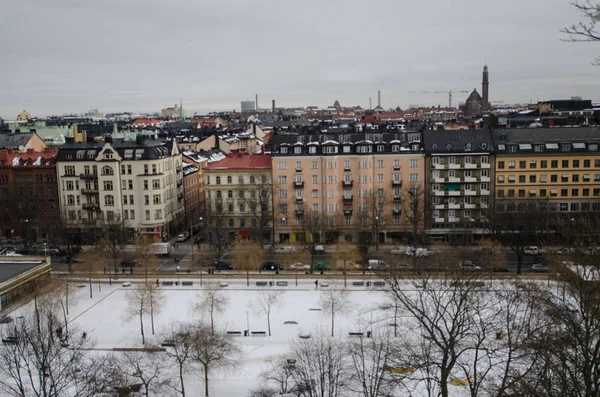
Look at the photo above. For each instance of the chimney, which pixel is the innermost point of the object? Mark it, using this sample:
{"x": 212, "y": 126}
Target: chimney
{"x": 370, "y": 107}
{"x": 83, "y": 137}
{"x": 254, "y": 129}
{"x": 69, "y": 139}
{"x": 273, "y": 106}
{"x": 108, "y": 139}
{"x": 378, "y": 97}
{"x": 89, "y": 139}
{"x": 256, "y": 102}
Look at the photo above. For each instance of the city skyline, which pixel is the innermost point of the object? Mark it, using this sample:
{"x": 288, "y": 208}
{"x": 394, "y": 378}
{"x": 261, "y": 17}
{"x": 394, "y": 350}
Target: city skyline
{"x": 144, "y": 56}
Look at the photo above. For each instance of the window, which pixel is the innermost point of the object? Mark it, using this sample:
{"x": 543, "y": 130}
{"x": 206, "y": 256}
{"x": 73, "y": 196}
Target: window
{"x": 125, "y": 199}
{"x": 230, "y": 194}
{"x": 532, "y": 178}
{"x": 564, "y": 178}
{"x": 156, "y": 199}
{"x": 347, "y": 165}
{"x": 346, "y": 149}
{"x": 145, "y": 185}
{"x": 146, "y": 199}
{"x": 315, "y": 194}
{"x": 521, "y": 178}
{"x": 542, "y": 192}
{"x": 379, "y": 177}
{"x": 229, "y": 180}
{"x": 575, "y": 178}
{"x": 521, "y": 192}
{"x": 397, "y": 164}
{"x": 281, "y": 179}
{"x": 564, "y": 192}
{"x": 230, "y": 208}
{"x": 218, "y": 180}
{"x": 108, "y": 185}
{"x": 544, "y": 164}
{"x": 484, "y": 186}
{"x": 585, "y": 192}
{"x": 155, "y": 184}
{"x": 511, "y": 164}
{"x": 414, "y": 163}
{"x": 315, "y": 179}
{"x": 282, "y": 165}
{"x": 379, "y": 163}
{"x": 522, "y": 164}
{"x": 554, "y": 164}
{"x": 575, "y": 192}
{"x": 500, "y": 193}
{"x": 70, "y": 199}
{"x": 283, "y": 208}
{"x": 147, "y": 215}
{"x": 283, "y": 193}
{"x": 501, "y": 165}
{"x": 532, "y": 164}
{"x": 565, "y": 148}
{"x": 538, "y": 148}
{"x": 106, "y": 170}
{"x": 564, "y": 207}
{"x": 511, "y": 193}
{"x": 554, "y": 178}
{"x": 451, "y": 160}
{"x": 109, "y": 200}
{"x": 500, "y": 178}
{"x": 435, "y": 160}
{"x": 146, "y": 171}
{"x": 574, "y": 206}
{"x": 242, "y": 208}
{"x": 314, "y": 165}
{"x": 484, "y": 160}
{"x": 132, "y": 215}
{"x": 452, "y": 174}
{"x": 414, "y": 177}
{"x": 315, "y": 208}
{"x": 154, "y": 168}
{"x": 576, "y": 163}
{"x": 312, "y": 149}
{"x": 131, "y": 200}
{"x": 586, "y": 163}
{"x": 129, "y": 173}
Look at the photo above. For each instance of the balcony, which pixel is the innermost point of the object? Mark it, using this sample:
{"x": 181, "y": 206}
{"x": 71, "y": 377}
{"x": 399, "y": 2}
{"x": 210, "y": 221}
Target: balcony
{"x": 88, "y": 206}
{"x": 485, "y": 166}
{"x": 299, "y": 184}
{"x": 299, "y": 212}
{"x": 299, "y": 199}
{"x": 438, "y": 180}
{"x": 439, "y": 193}
{"x": 454, "y": 206}
{"x": 439, "y": 206}
{"x": 396, "y": 211}
{"x": 396, "y": 183}
{"x": 87, "y": 221}
{"x": 298, "y": 169}
{"x": 484, "y": 179}
{"x": 484, "y": 192}
{"x": 347, "y": 169}
{"x": 453, "y": 220}
{"x": 347, "y": 183}
{"x": 438, "y": 220}
{"x": 470, "y": 192}
{"x": 439, "y": 166}
{"x": 470, "y": 179}
{"x": 347, "y": 199}
{"x": 90, "y": 191}
{"x": 484, "y": 206}
{"x": 396, "y": 168}
{"x": 347, "y": 211}
{"x": 88, "y": 176}
{"x": 453, "y": 192}
{"x": 470, "y": 166}
{"x": 397, "y": 198}
{"x": 454, "y": 166}
{"x": 70, "y": 176}
{"x": 470, "y": 206}
{"x": 179, "y": 182}
{"x": 178, "y": 168}
{"x": 454, "y": 180}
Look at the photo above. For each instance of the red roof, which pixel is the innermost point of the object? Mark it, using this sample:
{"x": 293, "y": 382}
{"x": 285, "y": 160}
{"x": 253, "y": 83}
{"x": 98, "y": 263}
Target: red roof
{"x": 242, "y": 161}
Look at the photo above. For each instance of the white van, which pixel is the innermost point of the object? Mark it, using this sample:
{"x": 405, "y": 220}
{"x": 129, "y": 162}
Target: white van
{"x": 285, "y": 249}
{"x": 374, "y": 264}
{"x": 533, "y": 250}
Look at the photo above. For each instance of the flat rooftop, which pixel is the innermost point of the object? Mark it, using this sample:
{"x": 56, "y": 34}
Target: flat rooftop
{"x": 10, "y": 269}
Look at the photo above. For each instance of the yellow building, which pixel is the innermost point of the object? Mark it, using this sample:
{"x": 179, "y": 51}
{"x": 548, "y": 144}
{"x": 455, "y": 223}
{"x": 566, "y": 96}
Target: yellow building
{"x": 560, "y": 166}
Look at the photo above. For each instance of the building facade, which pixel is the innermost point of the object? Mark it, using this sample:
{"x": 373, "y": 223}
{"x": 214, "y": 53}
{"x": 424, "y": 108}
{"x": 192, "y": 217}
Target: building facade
{"x": 354, "y": 187}
{"x": 28, "y": 195}
{"x": 459, "y": 179}
{"x": 138, "y": 183}
{"x": 558, "y": 166}
{"x": 191, "y": 185}
{"x": 239, "y": 197}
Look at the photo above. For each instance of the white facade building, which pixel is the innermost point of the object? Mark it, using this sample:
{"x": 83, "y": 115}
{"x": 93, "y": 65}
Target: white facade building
{"x": 137, "y": 182}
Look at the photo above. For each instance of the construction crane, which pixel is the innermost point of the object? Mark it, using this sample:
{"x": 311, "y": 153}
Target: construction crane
{"x": 449, "y": 93}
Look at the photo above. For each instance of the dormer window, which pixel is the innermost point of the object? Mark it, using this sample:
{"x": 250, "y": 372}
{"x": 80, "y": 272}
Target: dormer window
{"x": 565, "y": 147}
{"x": 468, "y": 146}
{"x": 347, "y": 149}
{"x": 297, "y": 149}
{"x": 284, "y": 150}
{"x": 380, "y": 148}
{"x": 312, "y": 149}
{"x": 395, "y": 148}
{"x": 364, "y": 149}
{"x": 449, "y": 146}
{"x": 330, "y": 149}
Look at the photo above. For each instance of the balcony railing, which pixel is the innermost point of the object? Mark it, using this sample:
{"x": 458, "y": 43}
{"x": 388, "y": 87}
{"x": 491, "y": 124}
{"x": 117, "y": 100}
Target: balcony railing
{"x": 396, "y": 183}
{"x": 347, "y": 199}
{"x": 87, "y": 221}
{"x": 88, "y": 206}
{"x": 347, "y": 183}
{"x": 298, "y": 169}
{"x": 299, "y": 199}
{"x": 397, "y": 198}
{"x": 299, "y": 184}
{"x": 88, "y": 176}
{"x": 90, "y": 191}
{"x": 347, "y": 211}
{"x": 396, "y": 211}
{"x": 299, "y": 212}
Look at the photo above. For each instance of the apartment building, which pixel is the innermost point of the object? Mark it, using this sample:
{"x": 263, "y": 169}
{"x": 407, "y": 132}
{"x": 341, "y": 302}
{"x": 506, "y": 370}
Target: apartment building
{"x": 559, "y": 166}
{"x": 345, "y": 185}
{"x": 239, "y": 201}
{"x": 139, "y": 183}
{"x": 459, "y": 180}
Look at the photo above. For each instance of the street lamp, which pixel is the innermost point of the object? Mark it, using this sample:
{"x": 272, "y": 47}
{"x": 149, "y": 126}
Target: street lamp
{"x": 45, "y": 249}
{"x": 283, "y": 220}
{"x": 178, "y": 279}
{"x": 377, "y": 233}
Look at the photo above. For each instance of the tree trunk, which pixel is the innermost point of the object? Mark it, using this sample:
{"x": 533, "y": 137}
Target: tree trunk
{"x": 181, "y": 379}
{"x": 212, "y": 320}
{"x": 269, "y": 322}
{"x": 152, "y": 314}
{"x": 206, "y": 380}
{"x": 247, "y": 277}
{"x": 90, "y": 281}
{"x": 519, "y": 261}
{"x": 142, "y": 328}
{"x": 332, "y": 319}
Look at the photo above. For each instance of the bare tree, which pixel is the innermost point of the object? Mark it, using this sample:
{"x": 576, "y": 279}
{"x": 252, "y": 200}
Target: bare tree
{"x": 213, "y": 301}
{"x": 138, "y": 305}
{"x": 321, "y": 367}
{"x": 213, "y": 351}
{"x": 143, "y": 253}
{"x": 266, "y": 302}
{"x": 585, "y": 30}
{"x": 249, "y": 256}
{"x": 155, "y": 299}
{"x": 347, "y": 253}
{"x": 216, "y": 221}
{"x": 334, "y": 302}
{"x": 57, "y": 298}
{"x": 146, "y": 367}
{"x": 312, "y": 230}
{"x": 37, "y": 358}
{"x": 92, "y": 258}
{"x": 370, "y": 357}
{"x": 259, "y": 202}
{"x": 413, "y": 208}
{"x": 279, "y": 372}
{"x": 180, "y": 351}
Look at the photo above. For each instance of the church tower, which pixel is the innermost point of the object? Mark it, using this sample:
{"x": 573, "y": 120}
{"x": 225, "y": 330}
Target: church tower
{"x": 485, "y": 103}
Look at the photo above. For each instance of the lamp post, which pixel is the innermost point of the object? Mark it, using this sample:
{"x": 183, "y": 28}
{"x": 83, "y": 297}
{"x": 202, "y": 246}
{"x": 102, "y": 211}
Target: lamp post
{"x": 377, "y": 233}
{"x": 45, "y": 249}
{"x": 178, "y": 279}
{"x": 283, "y": 220}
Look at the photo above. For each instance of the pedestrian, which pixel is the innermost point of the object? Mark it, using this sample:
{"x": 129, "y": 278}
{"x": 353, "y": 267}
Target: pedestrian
{"x": 176, "y": 247}
{"x": 157, "y": 283}
{"x": 316, "y": 284}
{"x": 84, "y": 335}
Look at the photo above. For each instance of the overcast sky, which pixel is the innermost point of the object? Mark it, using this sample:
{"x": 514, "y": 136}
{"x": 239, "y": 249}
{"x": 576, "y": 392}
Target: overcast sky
{"x": 62, "y": 56}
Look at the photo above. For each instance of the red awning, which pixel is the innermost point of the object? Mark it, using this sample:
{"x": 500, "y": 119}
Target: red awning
{"x": 245, "y": 233}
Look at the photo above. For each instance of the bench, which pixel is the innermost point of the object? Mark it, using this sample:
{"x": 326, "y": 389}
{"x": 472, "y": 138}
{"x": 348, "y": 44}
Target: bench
{"x": 223, "y": 285}
{"x": 234, "y": 333}
{"x": 314, "y": 310}
{"x": 378, "y": 283}
{"x": 187, "y": 283}
{"x": 324, "y": 285}
{"x": 356, "y": 334}
{"x": 167, "y": 283}
{"x": 291, "y": 322}
{"x": 258, "y": 333}
{"x": 358, "y": 283}
{"x": 291, "y": 362}
{"x": 304, "y": 336}
{"x": 10, "y": 340}
{"x": 261, "y": 283}
{"x": 282, "y": 283}
{"x": 168, "y": 343}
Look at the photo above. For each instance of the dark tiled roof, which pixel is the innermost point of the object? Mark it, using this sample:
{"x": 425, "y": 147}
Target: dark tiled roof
{"x": 374, "y": 137}
{"x": 152, "y": 149}
{"x": 547, "y": 135}
{"x": 242, "y": 161}
{"x": 14, "y": 141}
{"x": 457, "y": 141}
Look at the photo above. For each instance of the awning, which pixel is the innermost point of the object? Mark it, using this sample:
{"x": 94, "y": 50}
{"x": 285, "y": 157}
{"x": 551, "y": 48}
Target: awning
{"x": 244, "y": 233}
{"x": 553, "y": 191}
{"x": 451, "y": 186}
{"x": 532, "y": 191}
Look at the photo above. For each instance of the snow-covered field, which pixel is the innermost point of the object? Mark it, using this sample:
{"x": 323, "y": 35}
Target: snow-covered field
{"x": 103, "y": 318}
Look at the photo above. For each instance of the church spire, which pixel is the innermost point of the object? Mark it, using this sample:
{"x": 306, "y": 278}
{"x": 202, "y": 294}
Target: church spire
{"x": 181, "y": 115}
{"x": 485, "y": 100}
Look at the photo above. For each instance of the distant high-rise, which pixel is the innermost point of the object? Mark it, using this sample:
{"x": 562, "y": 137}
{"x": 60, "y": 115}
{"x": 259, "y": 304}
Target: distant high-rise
{"x": 248, "y": 106}
{"x": 485, "y": 105}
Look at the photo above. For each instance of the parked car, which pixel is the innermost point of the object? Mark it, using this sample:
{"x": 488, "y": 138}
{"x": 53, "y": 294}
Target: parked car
{"x": 321, "y": 266}
{"x": 299, "y": 266}
{"x": 318, "y": 249}
{"x": 375, "y": 264}
{"x": 539, "y": 268}
{"x": 220, "y": 265}
{"x": 183, "y": 237}
{"x": 285, "y": 249}
{"x": 272, "y": 266}
{"x": 469, "y": 266}
{"x": 126, "y": 284}
{"x": 128, "y": 262}
{"x": 566, "y": 250}
{"x": 419, "y": 252}
{"x": 500, "y": 269}
{"x": 532, "y": 250}
{"x": 398, "y": 251}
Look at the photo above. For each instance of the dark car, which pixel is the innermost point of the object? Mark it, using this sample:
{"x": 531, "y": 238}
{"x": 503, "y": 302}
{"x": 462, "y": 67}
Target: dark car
{"x": 500, "y": 269}
{"x": 272, "y": 266}
{"x": 220, "y": 265}
{"x": 128, "y": 262}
